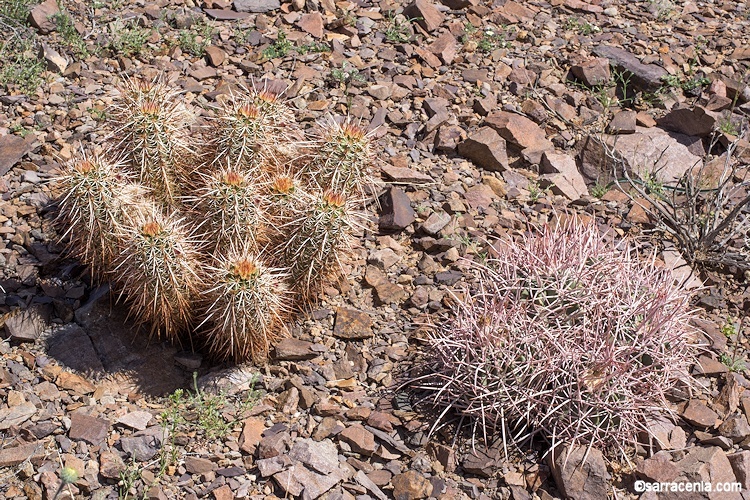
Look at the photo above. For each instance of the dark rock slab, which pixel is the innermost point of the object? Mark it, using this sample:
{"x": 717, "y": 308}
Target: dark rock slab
{"x": 352, "y": 324}
{"x": 645, "y": 76}
{"x": 396, "y": 213}
{"x": 84, "y": 427}
{"x": 12, "y": 149}
{"x": 72, "y": 347}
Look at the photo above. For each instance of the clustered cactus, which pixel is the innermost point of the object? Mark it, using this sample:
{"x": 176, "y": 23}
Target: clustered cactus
{"x": 216, "y": 234}
{"x": 565, "y": 337}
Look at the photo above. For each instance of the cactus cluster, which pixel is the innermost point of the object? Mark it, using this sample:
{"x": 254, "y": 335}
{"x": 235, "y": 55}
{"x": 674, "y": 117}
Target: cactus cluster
{"x": 564, "y": 337}
{"x": 217, "y": 232}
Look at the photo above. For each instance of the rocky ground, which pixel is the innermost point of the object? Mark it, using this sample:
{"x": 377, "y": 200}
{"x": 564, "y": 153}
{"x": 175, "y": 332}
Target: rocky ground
{"x": 488, "y": 116}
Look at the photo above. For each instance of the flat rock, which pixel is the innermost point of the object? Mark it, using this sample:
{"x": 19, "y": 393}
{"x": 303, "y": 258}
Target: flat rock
{"x": 352, "y": 324}
{"x": 321, "y": 456}
{"x": 622, "y": 123}
{"x": 562, "y": 175}
{"x": 741, "y": 467}
{"x": 12, "y": 149}
{"x": 198, "y": 465}
{"x": 252, "y": 433}
{"x": 694, "y": 121}
{"x": 444, "y": 47}
{"x": 704, "y": 464}
{"x": 74, "y": 382}
{"x": 16, "y": 415}
{"x": 29, "y": 324}
{"x": 226, "y": 14}
{"x": 137, "y": 420}
{"x": 84, "y": 427}
{"x": 396, "y": 212}
{"x": 406, "y": 175}
{"x": 435, "y": 223}
{"x": 291, "y": 349}
{"x": 111, "y": 464}
{"x": 735, "y": 427}
{"x": 486, "y": 148}
{"x": 658, "y": 468}
{"x": 215, "y": 56}
{"x": 142, "y": 447}
{"x": 645, "y": 76}
{"x": 256, "y": 6}
{"x": 12, "y": 456}
{"x": 71, "y": 346}
{"x": 360, "y": 439}
{"x": 479, "y": 196}
{"x": 518, "y": 130}
{"x": 698, "y": 414}
{"x": 578, "y": 479}
{"x": 312, "y": 23}
{"x": 302, "y": 482}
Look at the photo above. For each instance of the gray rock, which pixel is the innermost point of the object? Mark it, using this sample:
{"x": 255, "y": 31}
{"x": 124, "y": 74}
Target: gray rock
{"x": 735, "y": 427}
{"x": 623, "y": 122}
{"x": 40, "y": 16}
{"x": 84, "y": 427}
{"x": 291, "y": 349}
{"x": 645, "y": 76}
{"x": 137, "y": 420}
{"x": 741, "y": 466}
{"x": 694, "y": 121}
{"x": 562, "y": 175}
{"x": 29, "y": 324}
{"x": 321, "y": 456}
{"x": 55, "y": 62}
{"x": 577, "y": 478}
{"x": 16, "y": 415}
{"x": 435, "y": 222}
{"x": 486, "y": 149}
{"x": 72, "y": 347}
{"x": 256, "y": 6}
{"x": 698, "y": 414}
{"x": 142, "y": 447}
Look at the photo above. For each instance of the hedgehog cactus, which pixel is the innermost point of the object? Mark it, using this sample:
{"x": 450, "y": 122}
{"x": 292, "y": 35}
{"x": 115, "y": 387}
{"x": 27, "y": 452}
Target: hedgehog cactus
{"x": 158, "y": 272}
{"x": 93, "y": 209}
{"x": 343, "y": 159}
{"x": 246, "y": 307}
{"x": 230, "y": 204}
{"x": 318, "y": 237}
{"x": 152, "y": 126}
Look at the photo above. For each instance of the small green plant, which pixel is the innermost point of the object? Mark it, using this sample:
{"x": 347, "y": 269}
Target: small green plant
{"x": 652, "y": 184}
{"x": 279, "y": 48}
{"x": 727, "y": 126}
{"x": 398, "y": 29}
{"x": 15, "y": 11}
{"x": 729, "y": 329}
{"x": 67, "y": 29}
{"x": 21, "y": 67}
{"x": 491, "y": 40}
{"x": 598, "y": 190}
{"x": 734, "y": 362}
{"x": 130, "y": 475}
{"x": 346, "y": 76}
{"x": 195, "y": 40}
{"x": 128, "y": 39}
{"x": 313, "y": 47}
{"x": 583, "y": 27}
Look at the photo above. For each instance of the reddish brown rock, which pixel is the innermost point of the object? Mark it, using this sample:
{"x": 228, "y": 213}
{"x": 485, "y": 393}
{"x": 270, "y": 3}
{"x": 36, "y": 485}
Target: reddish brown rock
{"x": 252, "y": 433}
{"x": 360, "y": 439}
{"x": 444, "y": 47}
{"x": 312, "y": 23}
{"x": 623, "y": 122}
{"x": 425, "y": 13}
{"x": 411, "y": 485}
{"x": 84, "y": 427}
{"x": 215, "y": 56}
{"x": 698, "y": 414}
{"x": 519, "y": 131}
{"x": 486, "y": 149}
{"x": 352, "y": 324}
{"x": 40, "y": 16}
{"x": 593, "y": 72}
{"x": 579, "y": 479}
{"x": 658, "y": 468}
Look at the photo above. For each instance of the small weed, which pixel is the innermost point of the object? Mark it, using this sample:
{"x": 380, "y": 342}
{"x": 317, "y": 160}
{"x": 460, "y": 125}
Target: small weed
{"x": 652, "y": 184}
{"x": 195, "y": 40}
{"x": 346, "y": 74}
{"x": 128, "y": 477}
{"x": 97, "y": 114}
{"x": 21, "y": 66}
{"x": 583, "y": 27}
{"x": 728, "y": 329}
{"x": 67, "y": 29}
{"x": 598, "y": 190}
{"x": 16, "y": 11}
{"x": 313, "y": 47}
{"x": 727, "y": 126}
{"x": 128, "y": 39}
{"x": 734, "y": 363}
{"x": 535, "y": 191}
{"x": 398, "y": 29}
{"x": 279, "y": 48}
{"x": 241, "y": 35}
{"x": 491, "y": 40}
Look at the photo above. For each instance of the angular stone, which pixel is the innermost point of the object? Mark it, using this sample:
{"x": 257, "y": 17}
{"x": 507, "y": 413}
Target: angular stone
{"x": 71, "y": 346}
{"x": 444, "y": 47}
{"x": 274, "y": 445}
{"x": 411, "y": 485}
{"x": 16, "y": 415}
{"x": 84, "y": 427}
{"x": 644, "y": 76}
{"x": 622, "y": 123}
{"x": 215, "y": 55}
{"x": 226, "y": 14}
{"x": 486, "y": 149}
{"x": 12, "y": 149}
{"x": 291, "y": 349}
{"x": 741, "y": 466}
{"x": 562, "y": 175}
{"x": 270, "y": 466}
{"x": 55, "y": 61}
{"x": 256, "y": 6}
{"x": 312, "y": 23}
{"x": 435, "y": 105}
{"x": 406, "y": 175}
{"x": 435, "y": 222}
{"x": 396, "y": 213}
{"x": 425, "y": 13}
{"x": 29, "y": 324}
{"x": 593, "y": 72}
{"x": 197, "y": 465}
{"x": 735, "y": 427}
{"x": 223, "y": 493}
{"x": 370, "y": 485}
{"x": 449, "y": 137}
{"x": 40, "y": 16}
{"x": 704, "y": 464}
{"x": 321, "y": 456}
{"x": 73, "y": 382}
{"x": 252, "y": 433}
{"x": 576, "y": 478}
{"x": 518, "y": 130}
{"x": 479, "y": 196}
{"x": 352, "y": 324}
{"x": 385, "y": 258}
{"x": 141, "y": 447}
{"x": 301, "y": 482}
{"x": 360, "y": 439}
{"x": 698, "y": 414}
{"x": 658, "y": 468}
{"x": 12, "y": 456}
{"x": 110, "y": 464}
{"x": 137, "y": 420}
{"x": 694, "y": 121}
